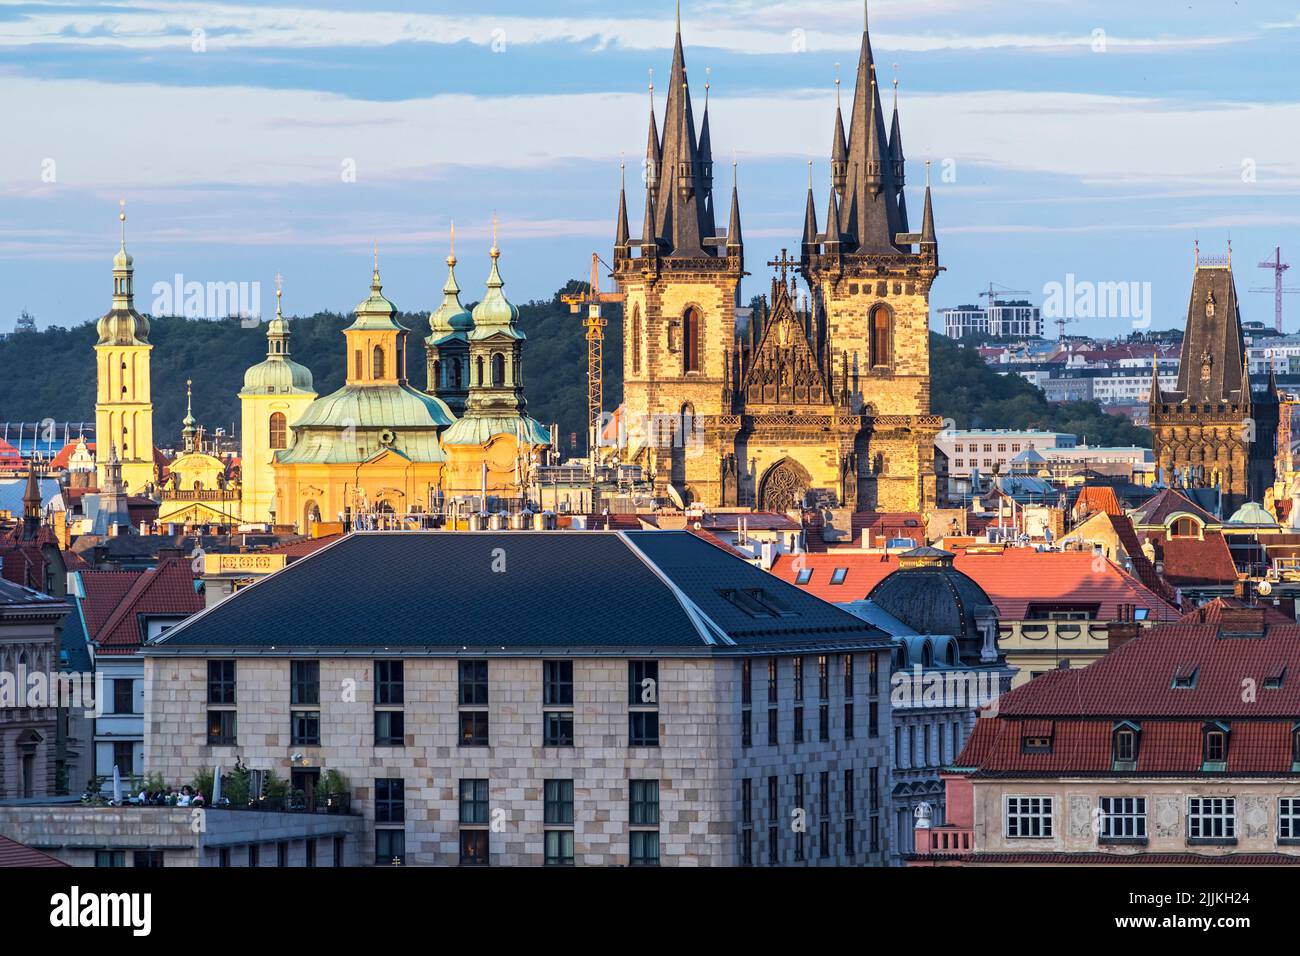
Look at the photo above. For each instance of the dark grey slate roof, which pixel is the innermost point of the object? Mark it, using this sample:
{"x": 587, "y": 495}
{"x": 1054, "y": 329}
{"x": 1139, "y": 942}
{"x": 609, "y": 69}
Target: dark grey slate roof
{"x": 438, "y": 592}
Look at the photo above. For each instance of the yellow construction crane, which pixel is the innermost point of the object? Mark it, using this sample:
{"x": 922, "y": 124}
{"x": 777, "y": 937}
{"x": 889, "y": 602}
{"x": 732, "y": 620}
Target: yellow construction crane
{"x": 595, "y": 326}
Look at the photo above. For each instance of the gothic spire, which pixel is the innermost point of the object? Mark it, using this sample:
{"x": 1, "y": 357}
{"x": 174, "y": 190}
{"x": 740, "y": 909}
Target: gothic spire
{"x": 621, "y": 233}
{"x": 32, "y": 497}
{"x": 839, "y": 147}
{"x": 810, "y": 219}
{"x": 869, "y": 216}
{"x": 734, "y": 240}
{"x": 927, "y": 223}
{"x": 899, "y": 163}
{"x": 653, "y": 149}
{"x": 1155, "y": 397}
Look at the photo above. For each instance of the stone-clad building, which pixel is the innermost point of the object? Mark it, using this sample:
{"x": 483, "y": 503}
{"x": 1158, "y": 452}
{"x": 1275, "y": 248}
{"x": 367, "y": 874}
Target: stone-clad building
{"x": 1215, "y": 429}
{"x": 591, "y": 698}
{"x": 831, "y": 399}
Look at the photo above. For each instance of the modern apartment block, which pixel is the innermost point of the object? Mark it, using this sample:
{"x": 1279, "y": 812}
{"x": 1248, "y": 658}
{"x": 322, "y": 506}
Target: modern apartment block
{"x": 992, "y": 450}
{"x": 542, "y": 698}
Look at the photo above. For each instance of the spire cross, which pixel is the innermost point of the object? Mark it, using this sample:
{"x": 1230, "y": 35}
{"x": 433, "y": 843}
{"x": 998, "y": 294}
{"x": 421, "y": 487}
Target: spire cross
{"x": 784, "y": 263}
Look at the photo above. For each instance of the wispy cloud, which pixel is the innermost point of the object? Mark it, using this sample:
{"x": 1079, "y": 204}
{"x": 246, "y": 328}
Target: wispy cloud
{"x": 773, "y": 29}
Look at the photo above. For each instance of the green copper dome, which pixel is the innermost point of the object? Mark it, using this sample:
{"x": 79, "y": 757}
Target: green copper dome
{"x": 278, "y": 374}
{"x": 123, "y": 260}
{"x": 480, "y": 429}
{"x": 356, "y": 422}
{"x": 451, "y": 319}
{"x": 376, "y": 313}
{"x": 495, "y": 315}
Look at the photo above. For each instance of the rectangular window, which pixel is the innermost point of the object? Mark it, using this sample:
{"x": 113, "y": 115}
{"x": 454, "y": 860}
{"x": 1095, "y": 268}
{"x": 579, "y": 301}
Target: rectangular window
{"x": 746, "y": 728}
{"x": 221, "y": 682}
{"x": 849, "y": 798}
{"x": 798, "y": 678}
{"x": 474, "y": 728}
{"x": 746, "y": 683}
{"x": 1211, "y": 818}
{"x": 558, "y": 796}
{"x": 473, "y": 847}
{"x": 1028, "y": 817}
{"x": 799, "y": 805}
{"x": 643, "y": 703}
{"x": 305, "y": 727}
{"x": 747, "y": 800}
{"x": 473, "y": 802}
{"x": 838, "y": 575}
{"x": 474, "y": 683}
{"x": 771, "y": 680}
{"x": 1288, "y": 818}
{"x": 557, "y": 728}
{"x": 221, "y": 727}
{"x": 390, "y": 848}
{"x": 557, "y": 687}
{"x": 388, "y": 684}
{"x": 823, "y": 677}
{"x": 643, "y": 811}
{"x": 390, "y": 800}
{"x": 848, "y": 721}
{"x": 124, "y": 757}
{"x": 848, "y": 676}
{"x": 559, "y": 847}
{"x": 282, "y": 853}
{"x": 124, "y": 696}
{"x": 873, "y": 719}
{"x": 772, "y": 723}
{"x": 773, "y": 795}
{"x": 773, "y": 845}
{"x": 339, "y": 844}
{"x": 873, "y": 790}
{"x": 1123, "y": 818}
{"x": 798, "y": 725}
{"x": 873, "y": 674}
{"x": 253, "y": 854}
{"x": 147, "y": 858}
{"x": 110, "y": 858}
{"x": 824, "y": 721}
{"x": 304, "y": 683}
{"x": 390, "y": 728}
{"x": 310, "y": 852}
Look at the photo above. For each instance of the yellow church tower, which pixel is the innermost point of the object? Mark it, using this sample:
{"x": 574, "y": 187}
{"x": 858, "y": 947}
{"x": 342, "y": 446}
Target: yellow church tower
{"x": 275, "y": 395}
{"x": 123, "y": 408}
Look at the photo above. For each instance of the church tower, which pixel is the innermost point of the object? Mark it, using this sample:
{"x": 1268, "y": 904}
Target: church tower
{"x": 870, "y": 279}
{"x": 447, "y": 346}
{"x": 681, "y": 280}
{"x": 276, "y": 393}
{"x": 123, "y": 408}
{"x": 1215, "y": 430}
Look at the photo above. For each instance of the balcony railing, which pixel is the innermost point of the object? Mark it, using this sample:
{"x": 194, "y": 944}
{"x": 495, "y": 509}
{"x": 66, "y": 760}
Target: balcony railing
{"x": 950, "y": 840}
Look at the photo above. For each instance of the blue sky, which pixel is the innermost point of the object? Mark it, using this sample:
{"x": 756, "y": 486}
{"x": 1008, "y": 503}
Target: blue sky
{"x": 1095, "y": 138}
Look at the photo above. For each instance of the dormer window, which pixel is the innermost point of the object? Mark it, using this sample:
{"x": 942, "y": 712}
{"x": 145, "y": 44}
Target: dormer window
{"x": 838, "y": 575}
{"x": 1295, "y": 748}
{"x": 804, "y": 576}
{"x": 1185, "y": 527}
{"x": 1275, "y": 680}
{"x": 1124, "y": 745}
{"x": 1036, "y": 737}
{"x": 1185, "y": 677}
{"x": 1214, "y": 737}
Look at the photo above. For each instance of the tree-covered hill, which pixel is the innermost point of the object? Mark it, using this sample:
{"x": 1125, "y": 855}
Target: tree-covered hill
{"x": 51, "y": 374}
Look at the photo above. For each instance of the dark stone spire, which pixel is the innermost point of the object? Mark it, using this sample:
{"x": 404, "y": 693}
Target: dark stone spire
{"x": 1156, "y": 397}
{"x": 833, "y": 235}
{"x": 1213, "y": 365}
{"x": 706, "y": 152}
{"x": 839, "y": 148}
{"x": 32, "y": 497}
{"x": 810, "y": 220}
{"x": 899, "y": 162}
{"x": 928, "y": 236}
{"x": 869, "y": 216}
{"x": 683, "y": 213}
{"x": 622, "y": 235}
{"x": 653, "y": 150}
{"x": 734, "y": 239}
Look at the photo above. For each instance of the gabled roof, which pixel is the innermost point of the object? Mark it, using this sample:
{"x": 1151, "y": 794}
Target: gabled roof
{"x": 167, "y": 590}
{"x": 439, "y": 592}
{"x": 1094, "y": 498}
{"x": 1203, "y": 561}
{"x": 1168, "y": 502}
{"x": 1211, "y": 612}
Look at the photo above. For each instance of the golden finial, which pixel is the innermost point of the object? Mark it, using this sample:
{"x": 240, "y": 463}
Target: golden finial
{"x": 708, "y": 84}
{"x": 927, "y": 174}
{"x": 733, "y": 167}
{"x": 837, "y": 86}
{"x": 494, "y": 252}
{"x": 121, "y": 218}
{"x": 810, "y": 185}
{"x": 374, "y": 278}
{"x": 451, "y": 256}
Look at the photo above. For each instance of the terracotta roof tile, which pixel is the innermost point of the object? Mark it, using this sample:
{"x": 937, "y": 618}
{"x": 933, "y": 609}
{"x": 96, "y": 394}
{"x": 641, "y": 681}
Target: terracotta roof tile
{"x": 1191, "y": 561}
{"x": 13, "y": 853}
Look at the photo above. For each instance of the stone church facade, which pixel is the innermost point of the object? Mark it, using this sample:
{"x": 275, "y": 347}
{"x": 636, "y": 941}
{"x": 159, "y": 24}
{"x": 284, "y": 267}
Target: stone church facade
{"x": 819, "y": 395}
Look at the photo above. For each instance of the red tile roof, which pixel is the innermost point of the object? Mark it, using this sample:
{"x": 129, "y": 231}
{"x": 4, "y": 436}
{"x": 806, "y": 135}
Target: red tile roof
{"x": 167, "y": 589}
{"x": 1212, "y": 612}
{"x": 1014, "y": 579}
{"x": 1158, "y": 509}
{"x": 1142, "y": 566}
{"x": 1198, "y": 561}
{"x": 304, "y": 546}
{"x": 9, "y": 455}
{"x": 64, "y": 457}
{"x": 13, "y": 853}
{"x": 1094, "y": 498}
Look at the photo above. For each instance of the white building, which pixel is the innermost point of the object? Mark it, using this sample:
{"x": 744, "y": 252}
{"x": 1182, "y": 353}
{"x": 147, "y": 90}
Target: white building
{"x": 965, "y": 320}
{"x": 1015, "y": 318}
{"x": 993, "y": 449}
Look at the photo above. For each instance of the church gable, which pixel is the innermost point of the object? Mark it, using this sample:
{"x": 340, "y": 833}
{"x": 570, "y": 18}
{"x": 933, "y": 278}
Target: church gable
{"x": 785, "y": 367}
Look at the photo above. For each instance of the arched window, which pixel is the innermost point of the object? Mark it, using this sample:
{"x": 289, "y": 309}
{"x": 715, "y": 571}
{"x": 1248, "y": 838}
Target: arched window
{"x": 691, "y": 341}
{"x": 379, "y": 362}
{"x": 359, "y": 368}
{"x": 1184, "y": 528}
{"x": 478, "y": 371}
{"x": 636, "y": 340}
{"x": 279, "y": 431}
{"x": 498, "y": 370}
{"x": 435, "y": 377}
{"x": 880, "y": 335}
{"x": 455, "y": 373}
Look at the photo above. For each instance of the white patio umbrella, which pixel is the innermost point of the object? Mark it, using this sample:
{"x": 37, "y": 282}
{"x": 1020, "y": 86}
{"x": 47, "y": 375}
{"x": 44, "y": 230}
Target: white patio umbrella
{"x": 117, "y": 785}
{"x": 216, "y": 785}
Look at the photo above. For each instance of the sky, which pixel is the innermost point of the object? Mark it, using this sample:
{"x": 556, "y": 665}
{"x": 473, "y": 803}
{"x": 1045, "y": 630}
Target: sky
{"x": 1073, "y": 141}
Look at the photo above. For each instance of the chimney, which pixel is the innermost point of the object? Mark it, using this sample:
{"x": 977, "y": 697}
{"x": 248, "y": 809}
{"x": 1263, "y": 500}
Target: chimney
{"x": 767, "y": 555}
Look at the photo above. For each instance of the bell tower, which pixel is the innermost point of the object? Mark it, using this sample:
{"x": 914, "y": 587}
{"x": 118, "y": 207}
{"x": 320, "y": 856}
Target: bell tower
{"x": 123, "y": 407}
{"x": 681, "y": 280}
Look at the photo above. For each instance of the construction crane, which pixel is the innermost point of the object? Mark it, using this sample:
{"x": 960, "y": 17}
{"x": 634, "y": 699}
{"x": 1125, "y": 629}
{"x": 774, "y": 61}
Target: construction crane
{"x": 592, "y": 300}
{"x": 994, "y": 294}
{"x": 1278, "y": 268}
